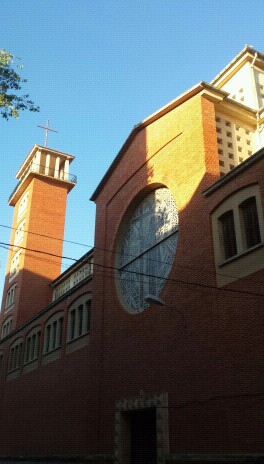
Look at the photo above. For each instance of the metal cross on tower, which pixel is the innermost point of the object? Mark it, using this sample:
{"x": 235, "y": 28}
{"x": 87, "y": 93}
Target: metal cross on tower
{"x": 47, "y": 129}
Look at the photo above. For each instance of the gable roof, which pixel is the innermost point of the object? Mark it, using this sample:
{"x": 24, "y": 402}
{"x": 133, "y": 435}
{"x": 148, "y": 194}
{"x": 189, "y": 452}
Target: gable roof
{"x": 247, "y": 54}
{"x": 150, "y": 119}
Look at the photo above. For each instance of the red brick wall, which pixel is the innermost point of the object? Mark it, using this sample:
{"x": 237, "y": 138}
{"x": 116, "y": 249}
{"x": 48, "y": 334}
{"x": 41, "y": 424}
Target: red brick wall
{"x": 207, "y": 371}
{"x": 45, "y": 216}
{"x": 44, "y": 412}
{"x": 212, "y": 372}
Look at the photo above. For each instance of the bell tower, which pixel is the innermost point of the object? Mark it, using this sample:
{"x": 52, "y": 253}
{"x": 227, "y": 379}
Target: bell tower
{"x": 34, "y": 258}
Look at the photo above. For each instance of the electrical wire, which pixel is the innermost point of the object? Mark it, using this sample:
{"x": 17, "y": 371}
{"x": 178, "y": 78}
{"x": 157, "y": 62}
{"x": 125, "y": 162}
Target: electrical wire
{"x": 167, "y": 279}
{"x": 199, "y": 269}
{"x": 47, "y": 236}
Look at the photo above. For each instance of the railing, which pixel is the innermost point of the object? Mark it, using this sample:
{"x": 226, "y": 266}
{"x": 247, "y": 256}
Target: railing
{"x": 47, "y": 171}
{"x": 75, "y": 278}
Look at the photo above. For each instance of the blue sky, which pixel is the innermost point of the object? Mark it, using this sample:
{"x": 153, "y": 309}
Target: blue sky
{"x": 96, "y": 68}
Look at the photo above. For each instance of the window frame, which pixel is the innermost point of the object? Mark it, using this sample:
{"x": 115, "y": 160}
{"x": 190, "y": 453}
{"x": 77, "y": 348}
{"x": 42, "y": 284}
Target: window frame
{"x": 149, "y": 228}
{"x": 10, "y": 297}
{"x": 22, "y": 208}
{"x": 7, "y": 324}
{"x": 227, "y": 234}
{"x": 53, "y": 333}
{"x": 250, "y": 231}
{"x": 248, "y": 259}
{"x": 53, "y": 337}
{"x": 15, "y": 358}
{"x": 19, "y": 233}
{"x": 78, "y": 323}
{"x": 32, "y": 350}
{"x": 15, "y": 265}
{"x": 79, "y": 318}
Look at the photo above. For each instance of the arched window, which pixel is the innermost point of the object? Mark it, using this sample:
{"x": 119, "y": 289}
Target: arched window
{"x": 79, "y": 316}
{"x": 228, "y": 234}
{"x": 15, "y": 355}
{"x": 250, "y": 222}
{"x": 32, "y": 345}
{"x": 53, "y": 337}
{"x": 146, "y": 248}
{"x": 10, "y": 297}
{"x": 53, "y": 332}
{"x": 238, "y": 234}
{"x": 7, "y": 327}
{"x": 79, "y": 321}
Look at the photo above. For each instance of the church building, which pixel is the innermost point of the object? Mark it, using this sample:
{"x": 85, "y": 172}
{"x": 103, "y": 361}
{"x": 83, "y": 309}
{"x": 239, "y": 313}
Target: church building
{"x": 149, "y": 349}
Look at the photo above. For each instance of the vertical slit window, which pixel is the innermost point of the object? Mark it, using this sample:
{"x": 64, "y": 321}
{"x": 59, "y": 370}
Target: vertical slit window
{"x": 36, "y": 353}
{"x": 54, "y": 334}
{"x": 88, "y": 313}
{"x": 60, "y": 331}
{"x": 47, "y": 346}
{"x": 33, "y": 343}
{"x": 250, "y": 221}
{"x": 228, "y": 234}
{"x": 80, "y": 320}
{"x": 72, "y": 324}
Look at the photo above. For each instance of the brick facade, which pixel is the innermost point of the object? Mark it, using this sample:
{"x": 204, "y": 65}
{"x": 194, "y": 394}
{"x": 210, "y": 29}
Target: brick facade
{"x": 203, "y": 383}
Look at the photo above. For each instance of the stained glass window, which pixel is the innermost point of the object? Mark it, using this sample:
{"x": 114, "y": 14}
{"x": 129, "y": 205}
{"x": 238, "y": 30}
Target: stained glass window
{"x": 147, "y": 249}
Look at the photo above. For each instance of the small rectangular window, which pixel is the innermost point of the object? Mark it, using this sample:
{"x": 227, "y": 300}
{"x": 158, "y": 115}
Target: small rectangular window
{"x": 228, "y": 234}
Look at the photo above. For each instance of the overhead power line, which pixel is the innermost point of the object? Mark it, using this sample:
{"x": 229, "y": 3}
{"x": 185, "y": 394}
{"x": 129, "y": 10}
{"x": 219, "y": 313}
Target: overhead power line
{"x": 48, "y": 236}
{"x": 192, "y": 268}
{"x": 168, "y": 279}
